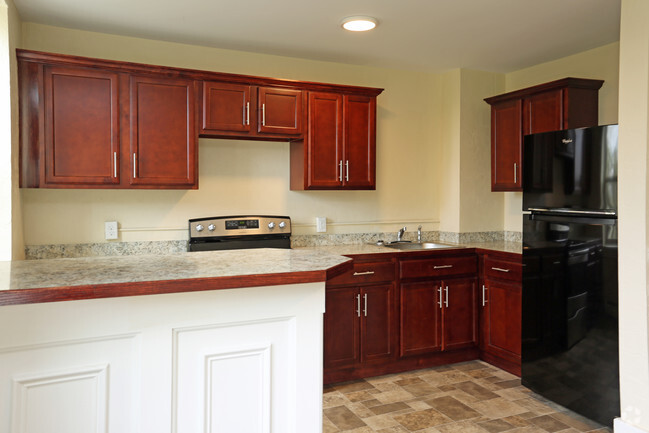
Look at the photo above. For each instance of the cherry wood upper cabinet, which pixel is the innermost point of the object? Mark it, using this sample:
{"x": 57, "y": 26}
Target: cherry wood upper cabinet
{"x": 226, "y": 107}
{"x": 80, "y": 115}
{"x": 280, "y": 111}
{"x": 163, "y": 139}
{"x": 562, "y": 104}
{"x": 95, "y": 123}
{"x": 339, "y": 151}
{"x": 242, "y": 111}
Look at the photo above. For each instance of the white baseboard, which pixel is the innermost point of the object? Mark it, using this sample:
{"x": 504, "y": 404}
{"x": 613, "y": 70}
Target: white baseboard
{"x": 620, "y": 426}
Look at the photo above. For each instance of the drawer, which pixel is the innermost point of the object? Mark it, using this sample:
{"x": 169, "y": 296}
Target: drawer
{"x": 438, "y": 267}
{"x": 503, "y": 270}
{"x": 365, "y": 272}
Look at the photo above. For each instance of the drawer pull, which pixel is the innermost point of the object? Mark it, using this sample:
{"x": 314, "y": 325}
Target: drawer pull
{"x": 356, "y": 274}
{"x": 442, "y": 266}
{"x": 500, "y": 269}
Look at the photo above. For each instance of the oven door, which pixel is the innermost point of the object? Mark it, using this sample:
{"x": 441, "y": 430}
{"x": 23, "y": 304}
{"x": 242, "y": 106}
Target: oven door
{"x": 239, "y": 243}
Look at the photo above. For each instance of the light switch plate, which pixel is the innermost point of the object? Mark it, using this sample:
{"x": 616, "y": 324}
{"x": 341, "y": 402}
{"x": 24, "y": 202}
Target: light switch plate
{"x": 110, "y": 229}
{"x": 320, "y": 224}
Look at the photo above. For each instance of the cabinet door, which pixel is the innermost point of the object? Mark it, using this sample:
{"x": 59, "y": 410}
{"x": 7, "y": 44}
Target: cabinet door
{"x": 503, "y": 317}
{"x": 506, "y": 145}
{"x": 324, "y": 141}
{"x": 280, "y": 111}
{"x": 226, "y": 107}
{"x": 341, "y": 327}
{"x": 81, "y": 126}
{"x": 459, "y": 313}
{"x": 163, "y": 132}
{"x": 376, "y": 322}
{"x": 360, "y": 142}
{"x": 420, "y": 324}
{"x": 543, "y": 112}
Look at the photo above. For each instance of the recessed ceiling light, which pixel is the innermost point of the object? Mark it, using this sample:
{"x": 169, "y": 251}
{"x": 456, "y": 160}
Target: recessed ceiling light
{"x": 358, "y": 23}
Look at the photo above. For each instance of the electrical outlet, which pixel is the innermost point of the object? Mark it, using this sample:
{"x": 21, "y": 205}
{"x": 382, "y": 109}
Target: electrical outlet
{"x": 320, "y": 224}
{"x": 110, "y": 229}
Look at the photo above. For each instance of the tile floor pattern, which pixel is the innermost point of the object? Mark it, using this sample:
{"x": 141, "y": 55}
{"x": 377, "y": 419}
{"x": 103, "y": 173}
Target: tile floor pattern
{"x": 470, "y": 397}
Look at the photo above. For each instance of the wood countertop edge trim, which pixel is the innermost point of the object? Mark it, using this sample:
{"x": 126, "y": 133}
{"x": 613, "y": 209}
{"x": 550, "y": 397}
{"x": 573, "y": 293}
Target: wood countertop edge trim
{"x": 145, "y": 288}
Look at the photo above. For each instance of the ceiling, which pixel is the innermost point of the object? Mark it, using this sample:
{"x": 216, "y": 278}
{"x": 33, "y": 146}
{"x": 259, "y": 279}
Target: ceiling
{"x": 424, "y": 35}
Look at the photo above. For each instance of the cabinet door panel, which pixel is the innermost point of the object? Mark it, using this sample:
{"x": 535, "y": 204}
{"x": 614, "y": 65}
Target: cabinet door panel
{"x": 226, "y": 107}
{"x": 280, "y": 111}
{"x": 460, "y": 327}
{"x": 543, "y": 112}
{"x": 324, "y": 140}
{"x": 341, "y": 321}
{"x": 81, "y": 126}
{"x": 503, "y": 316}
{"x": 506, "y": 146}
{"x": 420, "y": 318}
{"x": 376, "y": 323}
{"x": 163, "y": 132}
{"x": 360, "y": 142}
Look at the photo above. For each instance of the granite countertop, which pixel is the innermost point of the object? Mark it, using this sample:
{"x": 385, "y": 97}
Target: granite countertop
{"x": 357, "y": 249}
{"x": 32, "y": 281}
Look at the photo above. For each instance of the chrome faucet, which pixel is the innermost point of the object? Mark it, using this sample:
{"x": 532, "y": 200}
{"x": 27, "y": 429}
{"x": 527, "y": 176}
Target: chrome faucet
{"x": 419, "y": 234}
{"x": 400, "y": 234}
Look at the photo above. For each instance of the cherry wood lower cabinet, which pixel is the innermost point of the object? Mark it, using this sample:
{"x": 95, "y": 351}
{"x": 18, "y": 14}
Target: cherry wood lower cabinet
{"x": 360, "y": 321}
{"x": 500, "y": 312}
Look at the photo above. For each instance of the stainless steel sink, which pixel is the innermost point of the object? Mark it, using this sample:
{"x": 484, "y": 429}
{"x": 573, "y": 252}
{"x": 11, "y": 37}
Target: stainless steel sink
{"x": 419, "y": 246}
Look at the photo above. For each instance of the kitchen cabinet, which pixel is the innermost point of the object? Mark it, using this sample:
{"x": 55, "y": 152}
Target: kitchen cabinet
{"x": 162, "y": 138}
{"x": 96, "y": 127}
{"x": 437, "y": 304}
{"x": 359, "y": 320}
{"x": 339, "y": 151}
{"x": 562, "y": 104}
{"x": 81, "y": 126}
{"x": 500, "y": 312}
{"x": 96, "y": 123}
{"x": 245, "y": 111}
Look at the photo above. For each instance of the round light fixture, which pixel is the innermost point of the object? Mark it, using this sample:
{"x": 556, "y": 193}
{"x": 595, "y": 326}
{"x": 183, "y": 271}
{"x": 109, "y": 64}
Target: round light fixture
{"x": 358, "y": 23}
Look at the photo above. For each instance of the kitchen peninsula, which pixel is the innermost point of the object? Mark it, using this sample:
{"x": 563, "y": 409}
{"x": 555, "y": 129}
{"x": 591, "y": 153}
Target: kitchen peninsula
{"x": 225, "y": 340}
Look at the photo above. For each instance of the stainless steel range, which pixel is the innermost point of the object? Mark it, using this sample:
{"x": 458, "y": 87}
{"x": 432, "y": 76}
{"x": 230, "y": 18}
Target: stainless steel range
{"x": 239, "y": 232}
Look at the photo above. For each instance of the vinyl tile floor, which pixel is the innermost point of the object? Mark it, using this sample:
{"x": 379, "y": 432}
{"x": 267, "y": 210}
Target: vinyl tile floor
{"x": 470, "y": 397}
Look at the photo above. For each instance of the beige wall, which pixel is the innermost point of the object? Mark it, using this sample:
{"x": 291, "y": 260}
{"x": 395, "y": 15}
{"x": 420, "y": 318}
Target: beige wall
{"x": 599, "y": 63}
{"x": 250, "y": 177}
{"x": 10, "y": 218}
{"x": 634, "y": 214}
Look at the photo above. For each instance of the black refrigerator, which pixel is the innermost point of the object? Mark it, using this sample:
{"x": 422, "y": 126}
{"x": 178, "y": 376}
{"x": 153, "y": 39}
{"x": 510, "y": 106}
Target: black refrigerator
{"x": 569, "y": 301}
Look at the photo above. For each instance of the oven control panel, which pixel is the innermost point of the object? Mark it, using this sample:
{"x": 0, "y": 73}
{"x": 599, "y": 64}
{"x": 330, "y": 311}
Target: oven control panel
{"x": 239, "y": 226}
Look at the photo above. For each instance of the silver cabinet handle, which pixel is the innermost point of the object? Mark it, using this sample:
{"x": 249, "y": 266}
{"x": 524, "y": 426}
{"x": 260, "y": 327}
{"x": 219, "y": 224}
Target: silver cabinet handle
{"x": 263, "y": 114}
{"x": 365, "y": 299}
{"x": 340, "y": 170}
{"x": 500, "y": 269}
{"x": 442, "y": 266}
{"x": 358, "y": 305}
{"x": 440, "y": 296}
{"x": 515, "y": 173}
{"x": 356, "y": 274}
{"x": 115, "y": 164}
{"x": 446, "y": 303}
{"x": 247, "y": 113}
{"x": 134, "y": 165}
{"x": 484, "y": 297}
{"x": 347, "y": 170}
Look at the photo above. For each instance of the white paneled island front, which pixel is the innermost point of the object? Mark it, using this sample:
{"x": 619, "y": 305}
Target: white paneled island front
{"x": 197, "y": 342}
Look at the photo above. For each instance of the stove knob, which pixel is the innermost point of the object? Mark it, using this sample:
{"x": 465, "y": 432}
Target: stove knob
{"x": 282, "y": 225}
{"x": 199, "y": 228}
{"x": 211, "y": 227}
{"x": 271, "y": 225}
